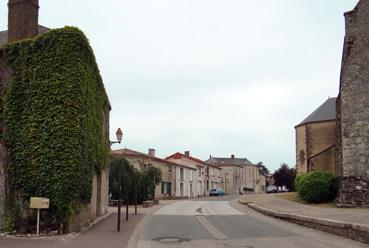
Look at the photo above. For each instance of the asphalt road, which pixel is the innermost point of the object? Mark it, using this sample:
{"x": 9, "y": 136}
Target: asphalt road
{"x": 222, "y": 222}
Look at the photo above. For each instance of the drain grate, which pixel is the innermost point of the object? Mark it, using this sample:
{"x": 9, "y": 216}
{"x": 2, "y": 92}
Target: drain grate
{"x": 171, "y": 240}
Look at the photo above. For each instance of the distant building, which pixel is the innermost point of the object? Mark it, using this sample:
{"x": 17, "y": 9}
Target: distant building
{"x": 316, "y": 140}
{"x": 240, "y": 175}
{"x": 205, "y": 177}
{"x": 141, "y": 160}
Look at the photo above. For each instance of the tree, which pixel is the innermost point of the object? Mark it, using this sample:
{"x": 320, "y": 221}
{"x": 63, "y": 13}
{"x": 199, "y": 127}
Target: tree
{"x": 285, "y": 176}
{"x": 263, "y": 169}
{"x": 120, "y": 176}
{"x": 151, "y": 177}
{"x": 131, "y": 184}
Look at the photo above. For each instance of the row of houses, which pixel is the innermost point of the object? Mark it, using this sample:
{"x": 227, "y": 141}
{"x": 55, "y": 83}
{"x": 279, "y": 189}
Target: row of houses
{"x": 186, "y": 176}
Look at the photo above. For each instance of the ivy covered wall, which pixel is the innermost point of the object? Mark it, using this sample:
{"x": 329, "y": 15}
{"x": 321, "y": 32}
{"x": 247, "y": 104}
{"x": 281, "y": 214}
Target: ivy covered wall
{"x": 54, "y": 120}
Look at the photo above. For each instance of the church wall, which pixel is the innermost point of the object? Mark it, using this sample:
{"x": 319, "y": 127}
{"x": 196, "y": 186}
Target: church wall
{"x": 354, "y": 109}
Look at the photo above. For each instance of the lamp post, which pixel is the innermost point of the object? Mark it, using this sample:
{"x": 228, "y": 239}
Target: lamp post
{"x": 119, "y": 135}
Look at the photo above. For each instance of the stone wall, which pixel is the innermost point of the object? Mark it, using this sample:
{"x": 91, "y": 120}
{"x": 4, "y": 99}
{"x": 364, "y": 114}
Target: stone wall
{"x": 315, "y": 147}
{"x": 354, "y": 191}
{"x": 301, "y": 151}
{"x": 339, "y": 168}
{"x": 354, "y": 109}
{"x": 89, "y": 212}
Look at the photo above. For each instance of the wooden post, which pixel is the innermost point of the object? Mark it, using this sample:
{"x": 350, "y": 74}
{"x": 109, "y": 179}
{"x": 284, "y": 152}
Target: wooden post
{"x": 127, "y": 204}
{"x": 38, "y": 221}
{"x": 118, "y": 227}
{"x": 135, "y": 203}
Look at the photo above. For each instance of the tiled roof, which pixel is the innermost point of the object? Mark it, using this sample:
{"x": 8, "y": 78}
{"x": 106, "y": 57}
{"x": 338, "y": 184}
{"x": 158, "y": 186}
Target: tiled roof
{"x": 240, "y": 162}
{"x": 131, "y": 153}
{"x": 325, "y": 112}
{"x": 199, "y": 162}
{"x": 4, "y": 34}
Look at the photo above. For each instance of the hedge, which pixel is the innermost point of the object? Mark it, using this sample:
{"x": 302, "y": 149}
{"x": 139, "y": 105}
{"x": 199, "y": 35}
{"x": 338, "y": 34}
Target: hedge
{"x": 317, "y": 187}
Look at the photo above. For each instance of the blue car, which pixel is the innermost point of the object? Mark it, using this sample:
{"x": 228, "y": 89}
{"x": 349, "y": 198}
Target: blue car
{"x": 216, "y": 192}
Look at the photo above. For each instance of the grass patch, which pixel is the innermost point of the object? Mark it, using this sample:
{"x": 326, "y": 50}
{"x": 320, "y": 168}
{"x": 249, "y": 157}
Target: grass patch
{"x": 294, "y": 197}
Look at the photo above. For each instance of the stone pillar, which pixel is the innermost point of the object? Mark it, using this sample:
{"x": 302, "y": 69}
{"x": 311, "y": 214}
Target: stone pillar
{"x": 22, "y": 19}
{"x": 353, "y": 110}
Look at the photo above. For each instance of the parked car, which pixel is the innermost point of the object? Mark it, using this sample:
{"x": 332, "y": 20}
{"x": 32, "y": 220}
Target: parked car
{"x": 283, "y": 189}
{"x": 216, "y": 192}
{"x": 271, "y": 189}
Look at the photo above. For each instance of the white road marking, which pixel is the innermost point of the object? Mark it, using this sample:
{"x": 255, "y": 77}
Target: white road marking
{"x": 210, "y": 228}
{"x": 196, "y": 208}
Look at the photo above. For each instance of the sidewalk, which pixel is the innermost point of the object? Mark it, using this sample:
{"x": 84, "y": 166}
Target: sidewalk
{"x": 350, "y": 223}
{"x": 103, "y": 234}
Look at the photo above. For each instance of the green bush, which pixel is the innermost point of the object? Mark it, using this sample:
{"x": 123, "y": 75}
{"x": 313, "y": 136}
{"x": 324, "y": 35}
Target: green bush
{"x": 317, "y": 187}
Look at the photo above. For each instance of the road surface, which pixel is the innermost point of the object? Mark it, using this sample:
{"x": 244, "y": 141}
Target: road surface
{"x": 222, "y": 222}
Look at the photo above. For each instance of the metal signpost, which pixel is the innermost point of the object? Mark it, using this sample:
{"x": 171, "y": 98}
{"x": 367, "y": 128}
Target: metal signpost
{"x": 39, "y": 203}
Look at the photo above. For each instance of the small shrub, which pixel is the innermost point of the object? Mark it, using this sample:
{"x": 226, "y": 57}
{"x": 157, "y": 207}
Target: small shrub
{"x": 317, "y": 187}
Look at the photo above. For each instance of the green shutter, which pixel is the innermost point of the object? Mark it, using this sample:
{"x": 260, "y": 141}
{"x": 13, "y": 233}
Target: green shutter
{"x": 162, "y": 187}
{"x": 170, "y": 188}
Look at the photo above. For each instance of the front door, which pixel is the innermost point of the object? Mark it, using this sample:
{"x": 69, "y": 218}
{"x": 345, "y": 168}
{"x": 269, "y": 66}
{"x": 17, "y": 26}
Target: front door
{"x": 181, "y": 189}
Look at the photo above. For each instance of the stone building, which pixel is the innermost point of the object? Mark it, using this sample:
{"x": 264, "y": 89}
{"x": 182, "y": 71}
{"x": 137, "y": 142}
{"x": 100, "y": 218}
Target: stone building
{"x": 166, "y": 189}
{"x": 240, "y": 175}
{"x": 345, "y": 153}
{"x": 23, "y": 24}
{"x": 204, "y": 177}
{"x": 353, "y": 110}
{"x": 316, "y": 140}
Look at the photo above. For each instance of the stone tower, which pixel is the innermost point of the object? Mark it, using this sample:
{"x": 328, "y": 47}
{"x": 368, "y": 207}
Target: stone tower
{"x": 353, "y": 110}
{"x": 22, "y": 19}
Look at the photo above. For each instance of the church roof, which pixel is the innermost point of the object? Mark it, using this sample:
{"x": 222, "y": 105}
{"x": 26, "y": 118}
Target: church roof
{"x": 325, "y": 112}
{"x": 4, "y": 34}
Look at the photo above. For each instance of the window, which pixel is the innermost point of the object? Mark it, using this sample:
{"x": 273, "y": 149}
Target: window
{"x": 199, "y": 172}
{"x": 164, "y": 188}
{"x": 181, "y": 174}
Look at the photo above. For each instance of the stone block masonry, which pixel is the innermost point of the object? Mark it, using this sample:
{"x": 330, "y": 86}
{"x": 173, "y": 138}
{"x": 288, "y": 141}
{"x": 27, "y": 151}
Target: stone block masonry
{"x": 354, "y": 110}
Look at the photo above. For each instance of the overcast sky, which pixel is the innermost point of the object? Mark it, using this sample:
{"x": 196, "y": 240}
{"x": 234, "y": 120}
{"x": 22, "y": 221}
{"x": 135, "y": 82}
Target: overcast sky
{"x": 215, "y": 77}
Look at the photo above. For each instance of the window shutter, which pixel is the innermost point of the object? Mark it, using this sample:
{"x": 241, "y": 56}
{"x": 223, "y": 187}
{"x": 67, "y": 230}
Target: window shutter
{"x": 169, "y": 188}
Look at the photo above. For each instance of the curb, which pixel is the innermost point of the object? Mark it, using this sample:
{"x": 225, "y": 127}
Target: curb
{"x": 357, "y": 232}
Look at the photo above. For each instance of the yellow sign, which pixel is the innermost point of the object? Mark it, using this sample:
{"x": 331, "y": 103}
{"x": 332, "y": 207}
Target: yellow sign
{"x": 38, "y": 202}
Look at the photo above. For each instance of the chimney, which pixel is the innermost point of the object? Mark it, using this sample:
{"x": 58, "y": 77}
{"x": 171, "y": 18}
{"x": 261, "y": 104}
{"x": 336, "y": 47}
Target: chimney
{"x": 152, "y": 152}
{"x": 232, "y": 156}
{"x": 187, "y": 153}
{"x": 22, "y": 19}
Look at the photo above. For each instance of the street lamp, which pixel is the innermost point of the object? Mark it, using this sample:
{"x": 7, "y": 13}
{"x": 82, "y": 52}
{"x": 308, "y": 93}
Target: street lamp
{"x": 119, "y": 135}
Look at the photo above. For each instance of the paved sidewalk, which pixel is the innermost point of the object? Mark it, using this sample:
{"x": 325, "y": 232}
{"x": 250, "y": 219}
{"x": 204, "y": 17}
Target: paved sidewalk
{"x": 349, "y": 223}
{"x": 103, "y": 234}
{"x": 272, "y": 202}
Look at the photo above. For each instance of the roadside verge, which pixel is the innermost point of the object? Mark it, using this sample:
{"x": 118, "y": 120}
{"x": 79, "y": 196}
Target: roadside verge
{"x": 358, "y": 232}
